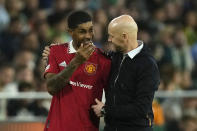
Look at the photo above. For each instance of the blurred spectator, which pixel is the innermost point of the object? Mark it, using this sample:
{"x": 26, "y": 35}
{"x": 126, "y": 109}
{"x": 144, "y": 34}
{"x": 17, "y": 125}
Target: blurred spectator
{"x": 157, "y": 23}
{"x": 171, "y": 78}
{"x": 30, "y": 42}
{"x": 60, "y": 6}
{"x": 7, "y": 76}
{"x": 153, "y": 5}
{"x": 191, "y": 27}
{"x": 43, "y": 31}
{"x": 10, "y": 39}
{"x": 14, "y": 7}
{"x": 181, "y": 52}
{"x": 190, "y": 106}
{"x": 37, "y": 108}
{"x": 194, "y": 52}
{"x": 141, "y": 8}
{"x": 188, "y": 123}
{"x": 24, "y": 73}
{"x": 37, "y": 17}
{"x": 186, "y": 81}
{"x": 144, "y": 35}
{"x": 25, "y": 107}
{"x": 163, "y": 47}
{"x": 4, "y": 16}
{"x": 46, "y": 4}
{"x": 100, "y": 17}
{"x": 98, "y": 38}
{"x": 41, "y": 87}
{"x": 171, "y": 9}
{"x": 18, "y": 107}
{"x": 58, "y": 23}
{"x": 25, "y": 58}
{"x": 94, "y": 4}
{"x": 172, "y": 112}
{"x": 31, "y": 6}
{"x": 194, "y": 77}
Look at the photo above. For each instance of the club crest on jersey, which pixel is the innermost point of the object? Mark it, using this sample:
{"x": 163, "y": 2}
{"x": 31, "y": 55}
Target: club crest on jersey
{"x": 90, "y": 68}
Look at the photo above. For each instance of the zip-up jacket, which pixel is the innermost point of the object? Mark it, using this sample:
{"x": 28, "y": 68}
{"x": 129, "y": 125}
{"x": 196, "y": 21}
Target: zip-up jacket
{"x": 130, "y": 92}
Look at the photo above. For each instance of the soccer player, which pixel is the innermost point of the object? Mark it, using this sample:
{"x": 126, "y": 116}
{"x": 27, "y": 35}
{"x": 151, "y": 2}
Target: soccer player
{"x": 76, "y": 74}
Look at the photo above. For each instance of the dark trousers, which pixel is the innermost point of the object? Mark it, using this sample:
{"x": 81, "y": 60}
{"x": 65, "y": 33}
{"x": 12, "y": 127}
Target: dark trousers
{"x": 110, "y": 128}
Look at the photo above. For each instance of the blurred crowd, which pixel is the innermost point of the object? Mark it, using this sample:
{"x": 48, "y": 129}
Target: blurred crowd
{"x": 168, "y": 27}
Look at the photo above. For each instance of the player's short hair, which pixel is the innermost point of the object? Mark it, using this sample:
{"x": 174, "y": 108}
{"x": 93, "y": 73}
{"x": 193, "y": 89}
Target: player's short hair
{"x": 77, "y": 17}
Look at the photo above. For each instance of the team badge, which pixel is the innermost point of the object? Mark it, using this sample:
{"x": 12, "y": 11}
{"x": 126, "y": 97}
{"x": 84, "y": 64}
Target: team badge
{"x": 90, "y": 68}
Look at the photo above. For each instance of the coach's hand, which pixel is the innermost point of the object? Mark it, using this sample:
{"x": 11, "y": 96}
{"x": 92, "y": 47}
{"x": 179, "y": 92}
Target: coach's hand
{"x": 45, "y": 53}
{"x": 84, "y": 52}
{"x": 97, "y": 108}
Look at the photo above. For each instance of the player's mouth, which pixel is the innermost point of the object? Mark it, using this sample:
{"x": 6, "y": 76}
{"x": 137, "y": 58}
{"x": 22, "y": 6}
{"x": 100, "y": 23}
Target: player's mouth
{"x": 88, "y": 41}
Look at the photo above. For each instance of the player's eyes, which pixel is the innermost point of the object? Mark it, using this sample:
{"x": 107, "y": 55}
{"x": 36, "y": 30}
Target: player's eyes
{"x": 82, "y": 31}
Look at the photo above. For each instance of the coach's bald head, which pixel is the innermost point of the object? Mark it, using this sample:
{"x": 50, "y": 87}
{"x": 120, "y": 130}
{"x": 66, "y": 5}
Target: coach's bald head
{"x": 126, "y": 29}
{"x": 124, "y": 23}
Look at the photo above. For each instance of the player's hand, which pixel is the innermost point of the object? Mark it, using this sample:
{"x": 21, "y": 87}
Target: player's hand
{"x": 84, "y": 52}
{"x": 97, "y": 108}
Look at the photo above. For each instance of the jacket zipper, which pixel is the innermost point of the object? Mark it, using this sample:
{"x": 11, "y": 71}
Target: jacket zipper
{"x": 116, "y": 80}
{"x": 114, "y": 99}
{"x": 119, "y": 70}
{"x": 117, "y": 77}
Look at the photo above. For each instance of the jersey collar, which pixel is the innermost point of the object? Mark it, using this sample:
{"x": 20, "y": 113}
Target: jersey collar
{"x": 71, "y": 49}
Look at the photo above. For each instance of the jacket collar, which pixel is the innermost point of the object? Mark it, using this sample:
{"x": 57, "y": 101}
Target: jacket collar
{"x": 137, "y": 50}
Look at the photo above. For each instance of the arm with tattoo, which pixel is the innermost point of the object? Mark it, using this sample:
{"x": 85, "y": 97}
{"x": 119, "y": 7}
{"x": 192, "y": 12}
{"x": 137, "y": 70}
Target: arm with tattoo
{"x": 56, "y": 82}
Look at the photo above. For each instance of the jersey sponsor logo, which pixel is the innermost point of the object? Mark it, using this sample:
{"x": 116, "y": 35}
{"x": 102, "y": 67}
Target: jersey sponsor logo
{"x": 79, "y": 84}
{"x": 63, "y": 64}
{"x": 48, "y": 66}
{"x": 90, "y": 68}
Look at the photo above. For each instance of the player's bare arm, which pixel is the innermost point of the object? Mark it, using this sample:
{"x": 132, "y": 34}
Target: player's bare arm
{"x": 56, "y": 82}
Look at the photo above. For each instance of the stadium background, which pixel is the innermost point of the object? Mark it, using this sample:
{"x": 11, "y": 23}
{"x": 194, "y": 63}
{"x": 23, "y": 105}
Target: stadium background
{"x": 168, "y": 27}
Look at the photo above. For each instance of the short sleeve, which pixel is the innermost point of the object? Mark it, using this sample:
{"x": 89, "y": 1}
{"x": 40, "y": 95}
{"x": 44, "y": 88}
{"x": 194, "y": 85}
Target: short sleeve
{"x": 52, "y": 66}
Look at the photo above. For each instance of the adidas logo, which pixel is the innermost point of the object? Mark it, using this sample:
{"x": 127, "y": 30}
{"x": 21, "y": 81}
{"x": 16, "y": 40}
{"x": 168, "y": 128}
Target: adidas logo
{"x": 63, "y": 64}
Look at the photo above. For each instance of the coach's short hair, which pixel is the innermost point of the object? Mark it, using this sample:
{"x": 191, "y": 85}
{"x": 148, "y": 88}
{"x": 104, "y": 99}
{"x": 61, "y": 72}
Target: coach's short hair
{"x": 77, "y": 17}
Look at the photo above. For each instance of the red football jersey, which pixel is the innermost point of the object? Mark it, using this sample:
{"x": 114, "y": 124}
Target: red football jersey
{"x": 71, "y": 108}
